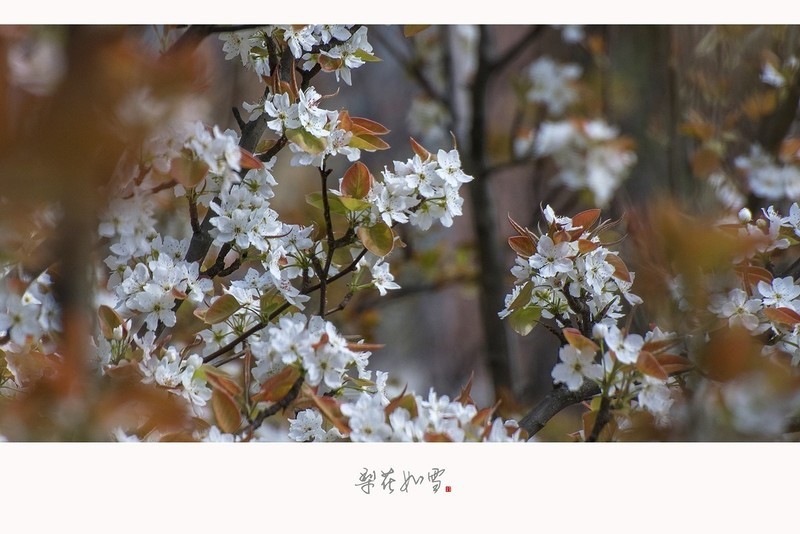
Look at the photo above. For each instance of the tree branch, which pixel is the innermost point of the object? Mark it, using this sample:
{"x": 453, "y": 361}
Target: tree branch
{"x": 514, "y": 50}
{"x": 271, "y": 410}
{"x": 413, "y": 69}
{"x": 282, "y": 308}
{"x": 555, "y": 401}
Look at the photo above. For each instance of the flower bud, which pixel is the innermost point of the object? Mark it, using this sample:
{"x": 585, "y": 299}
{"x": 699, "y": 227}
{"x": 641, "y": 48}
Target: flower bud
{"x": 745, "y": 216}
{"x": 117, "y": 333}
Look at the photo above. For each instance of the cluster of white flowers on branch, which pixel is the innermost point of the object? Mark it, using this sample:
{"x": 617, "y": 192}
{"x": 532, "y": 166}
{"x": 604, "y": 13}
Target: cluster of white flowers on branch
{"x": 209, "y": 303}
{"x": 568, "y": 276}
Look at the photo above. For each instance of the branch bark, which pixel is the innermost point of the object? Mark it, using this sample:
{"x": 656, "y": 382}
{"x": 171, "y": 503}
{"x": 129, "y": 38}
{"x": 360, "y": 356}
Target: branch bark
{"x": 553, "y": 403}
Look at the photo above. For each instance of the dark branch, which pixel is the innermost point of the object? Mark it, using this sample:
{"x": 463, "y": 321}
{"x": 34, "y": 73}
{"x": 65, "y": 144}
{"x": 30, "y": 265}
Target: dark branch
{"x": 554, "y": 402}
{"x": 285, "y": 306}
{"x": 602, "y": 419}
{"x": 219, "y": 264}
{"x": 278, "y": 406}
{"x": 515, "y": 50}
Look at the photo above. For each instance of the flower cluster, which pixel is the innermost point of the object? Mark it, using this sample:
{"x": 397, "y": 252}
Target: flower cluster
{"x": 567, "y": 263}
{"x": 333, "y": 47}
{"x": 420, "y": 191}
{"x": 372, "y": 417}
{"x": 552, "y": 84}
{"x": 589, "y": 155}
{"x": 768, "y": 179}
{"x": 568, "y": 275}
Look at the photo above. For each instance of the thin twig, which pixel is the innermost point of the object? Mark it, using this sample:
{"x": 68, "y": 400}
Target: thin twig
{"x": 282, "y": 308}
{"x": 195, "y": 219}
{"x": 413, "y": 69}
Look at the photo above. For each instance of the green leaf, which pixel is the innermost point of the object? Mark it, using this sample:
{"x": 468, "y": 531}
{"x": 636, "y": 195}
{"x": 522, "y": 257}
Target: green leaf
{"x": 525, "y": 319}
{"x": 363, "y": 55}
{"x": 306, "y": 141}
{"x": 334, "y": 202}
{"x": 357, "y": 181}
{"x": 354, "y": 204}
{"x": 378, "y": 239}
{"x": 227, "y": 414}
{"x": 523, "y": 298}
{"x": 223, "y": 307}
{"x": 368, "y": 142}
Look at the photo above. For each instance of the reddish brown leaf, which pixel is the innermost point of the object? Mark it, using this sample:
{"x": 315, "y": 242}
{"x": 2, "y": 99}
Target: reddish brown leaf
{"x": 752, "y": 274}
{"x": 419, "y": 150}
{"x": 278, "y": 386}
{"x": 584, "y": 246}
{"x": 345, "y": 122}
{"x": 620, "y": 269}
{"x": 406, "y": 401}
{"x": 439, "y": 437}
{"x": 464, "y": 397}
{"x": 586, "y": 219}
{"x": 329, "y": 64}
{"x": 578, "y": 340}
{"x": 661, "y": 344}
{"x": 782, "y": 315}
{"x": 217, "y": 380}
{"x": 361, "y": 124}
{"x": 227, "y": 414}
{"x": 760, "y": 104}
{"x": 672, "y": 363}
{"x": 790, "y": 150}
{"x": 561, "y": 237}
{"x": 248, "y": 161}
{"x": 484, "y": 417}
{"x": 357, "y": 181}
{"x": 332, "y": 412}
{"x": 522, "y": 245}
{"x": 647, "y": 364}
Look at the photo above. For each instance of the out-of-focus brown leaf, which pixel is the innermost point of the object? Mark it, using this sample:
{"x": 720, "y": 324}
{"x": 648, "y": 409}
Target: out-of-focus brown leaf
{"x": 704, "y": 162}
{"x": 729, "y": 354}
{"x": 226, "y": 412}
